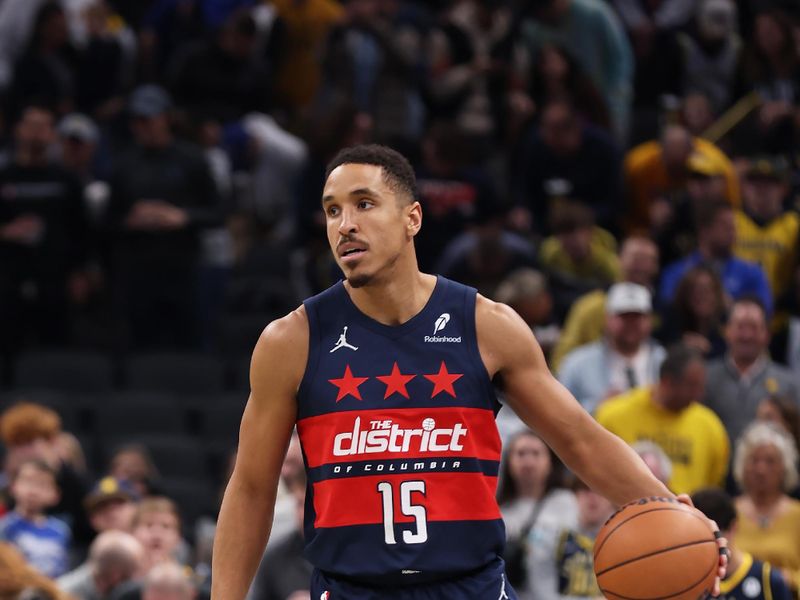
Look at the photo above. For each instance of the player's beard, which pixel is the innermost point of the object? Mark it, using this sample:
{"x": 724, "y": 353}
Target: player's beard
{"x": 358, "y": 280}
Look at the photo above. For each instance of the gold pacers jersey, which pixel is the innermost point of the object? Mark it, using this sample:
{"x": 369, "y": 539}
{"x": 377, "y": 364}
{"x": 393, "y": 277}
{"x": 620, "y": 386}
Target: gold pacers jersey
{"x": 773, "y": 246}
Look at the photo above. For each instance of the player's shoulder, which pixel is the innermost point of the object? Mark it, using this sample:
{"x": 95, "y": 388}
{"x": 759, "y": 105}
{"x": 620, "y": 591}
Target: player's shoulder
{"x": 287, "y": 327}
{"x": 284, "y": 340}
{"x": 282, "y": 348}
{"x": 502, "y": 334}
{"x": 495, "y": 316}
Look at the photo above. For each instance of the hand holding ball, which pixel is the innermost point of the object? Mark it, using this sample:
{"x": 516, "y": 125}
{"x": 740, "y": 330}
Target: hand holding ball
{"x": 656, "y": 549}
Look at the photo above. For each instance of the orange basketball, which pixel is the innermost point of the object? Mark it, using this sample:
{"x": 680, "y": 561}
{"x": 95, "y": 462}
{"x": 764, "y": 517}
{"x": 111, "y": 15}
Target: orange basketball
{"x": 656, "y": 548}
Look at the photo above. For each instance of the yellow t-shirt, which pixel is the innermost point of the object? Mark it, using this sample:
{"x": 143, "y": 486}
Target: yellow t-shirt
{"x": 694, "y": 438}
{"x": 777, "y": 543}
{"x": 773, "y": 246}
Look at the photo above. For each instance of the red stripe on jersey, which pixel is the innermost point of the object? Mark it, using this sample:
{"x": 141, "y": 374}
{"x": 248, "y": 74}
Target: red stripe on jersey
{"x": 411, "y": 433}
{"x": 448, "y": 497}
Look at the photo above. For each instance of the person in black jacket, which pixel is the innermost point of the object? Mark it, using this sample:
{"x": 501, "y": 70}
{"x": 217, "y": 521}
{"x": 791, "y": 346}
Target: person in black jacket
{"x": 43, "y": 236}
{"x": 162, "y": 196}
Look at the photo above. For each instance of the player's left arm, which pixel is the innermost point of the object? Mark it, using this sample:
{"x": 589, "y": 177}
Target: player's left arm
{"x": 509, "y": 350}
{"x": 601, "y": 459}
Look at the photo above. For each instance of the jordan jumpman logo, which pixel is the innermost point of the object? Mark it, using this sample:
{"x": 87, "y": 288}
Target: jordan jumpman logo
{"x": 503, "y": 594}
{"x": 342, "y": 342}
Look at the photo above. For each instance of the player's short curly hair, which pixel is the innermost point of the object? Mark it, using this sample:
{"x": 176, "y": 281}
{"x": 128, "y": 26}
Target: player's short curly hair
{"x": 26, "y": 422}
{"x": 398, "y": 173}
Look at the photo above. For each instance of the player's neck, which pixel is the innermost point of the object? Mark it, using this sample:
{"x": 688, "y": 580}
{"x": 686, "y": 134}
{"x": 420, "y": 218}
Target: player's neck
{"x": 395, "y": 299}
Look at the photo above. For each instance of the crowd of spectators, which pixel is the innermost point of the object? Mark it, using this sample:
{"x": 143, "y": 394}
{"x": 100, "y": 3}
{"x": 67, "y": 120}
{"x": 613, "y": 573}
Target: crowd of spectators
{"x": 624, "y": 173}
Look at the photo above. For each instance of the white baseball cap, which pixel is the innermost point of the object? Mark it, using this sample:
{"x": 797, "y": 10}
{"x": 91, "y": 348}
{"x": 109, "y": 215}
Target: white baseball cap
{"x": 628, "y": 297}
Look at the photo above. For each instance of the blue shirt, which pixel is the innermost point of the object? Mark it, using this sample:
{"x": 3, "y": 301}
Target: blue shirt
{"x": 739, "y": 278}
{"x": 44, "y": 546}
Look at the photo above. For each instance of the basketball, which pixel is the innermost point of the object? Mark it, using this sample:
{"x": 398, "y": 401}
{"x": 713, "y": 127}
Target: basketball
{"x": 656, "y": 548}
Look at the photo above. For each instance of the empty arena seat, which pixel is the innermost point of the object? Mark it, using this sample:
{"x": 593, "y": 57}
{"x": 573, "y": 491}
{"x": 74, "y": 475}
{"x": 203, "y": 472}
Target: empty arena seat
{"x": 179, "y": 373}
{"x": 238, "y": 333}
{"x": 220, "y": 422}
{"x": 174, "y": 455}
{"x": 143, "y": 413}
{"x": 68, "y": 371}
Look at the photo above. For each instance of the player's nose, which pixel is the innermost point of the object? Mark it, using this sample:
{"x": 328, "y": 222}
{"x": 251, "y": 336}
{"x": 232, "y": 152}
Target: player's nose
{"x": 349, "y": 222}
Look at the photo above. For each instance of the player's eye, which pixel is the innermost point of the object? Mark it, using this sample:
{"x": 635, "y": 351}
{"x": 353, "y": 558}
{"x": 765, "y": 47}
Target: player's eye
{"x": 333, "y": 211}
{"x": 364, "y": 204}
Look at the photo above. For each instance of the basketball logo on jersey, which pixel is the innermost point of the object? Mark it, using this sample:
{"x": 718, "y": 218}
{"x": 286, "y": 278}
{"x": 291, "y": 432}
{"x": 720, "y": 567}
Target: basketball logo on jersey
{"x": 342, "y": 342}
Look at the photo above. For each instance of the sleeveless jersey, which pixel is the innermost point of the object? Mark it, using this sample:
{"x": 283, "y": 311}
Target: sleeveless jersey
{"x": 400, "y": 443}
{"x": 754, "y": 580}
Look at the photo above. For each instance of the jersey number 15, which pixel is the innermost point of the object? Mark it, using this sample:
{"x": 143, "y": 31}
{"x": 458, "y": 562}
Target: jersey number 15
{"x": 407, "y": 508}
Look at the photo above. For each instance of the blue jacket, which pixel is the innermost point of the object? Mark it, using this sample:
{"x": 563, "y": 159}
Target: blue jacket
{"x": 739, "y": 278}
{"x": 585, "y": 371}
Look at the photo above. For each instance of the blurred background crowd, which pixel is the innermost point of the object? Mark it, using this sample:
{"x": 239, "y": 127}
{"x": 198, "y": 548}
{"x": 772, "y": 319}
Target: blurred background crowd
{"x": 623, "y": 173}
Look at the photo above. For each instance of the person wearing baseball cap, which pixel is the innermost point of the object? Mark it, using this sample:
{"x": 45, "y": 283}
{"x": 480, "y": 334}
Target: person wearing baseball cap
{"x": 148, "y": 101}
{"x": 111, "y": 505}
{"x": 162, "y": 198}
{"x": 766, "y": 233}
{"x": 626, "y": 358}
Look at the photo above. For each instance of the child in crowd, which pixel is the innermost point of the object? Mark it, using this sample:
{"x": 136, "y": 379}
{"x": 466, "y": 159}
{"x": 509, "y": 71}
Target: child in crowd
{"x": 43, "y": 540}
{"x": 157, "y": 526}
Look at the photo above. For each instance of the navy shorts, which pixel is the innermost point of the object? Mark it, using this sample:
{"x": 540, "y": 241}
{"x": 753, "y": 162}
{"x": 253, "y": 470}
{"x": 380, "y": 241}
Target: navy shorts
{"x": 487, "y": 584}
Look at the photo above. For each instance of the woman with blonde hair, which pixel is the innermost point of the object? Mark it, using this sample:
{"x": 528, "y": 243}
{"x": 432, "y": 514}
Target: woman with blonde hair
{"x": 765, "y": 468}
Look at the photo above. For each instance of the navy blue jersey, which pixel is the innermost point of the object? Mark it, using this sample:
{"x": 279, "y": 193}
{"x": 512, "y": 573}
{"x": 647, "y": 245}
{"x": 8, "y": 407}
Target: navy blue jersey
{"x": 400, "y": 443}
{"x": 754, "y": 580}
{"x": 575, "y": 566}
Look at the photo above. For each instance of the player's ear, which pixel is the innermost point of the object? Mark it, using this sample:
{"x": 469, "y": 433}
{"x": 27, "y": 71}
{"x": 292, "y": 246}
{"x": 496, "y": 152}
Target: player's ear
{"x": 413, "y": 218}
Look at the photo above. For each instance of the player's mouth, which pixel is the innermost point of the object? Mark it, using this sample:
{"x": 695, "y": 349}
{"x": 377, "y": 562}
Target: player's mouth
{"x": 350, "y": 252}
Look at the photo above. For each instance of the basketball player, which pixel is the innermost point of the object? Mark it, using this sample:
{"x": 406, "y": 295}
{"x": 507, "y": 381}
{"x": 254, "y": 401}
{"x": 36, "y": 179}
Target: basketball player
{"x": 397, "y": 424}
